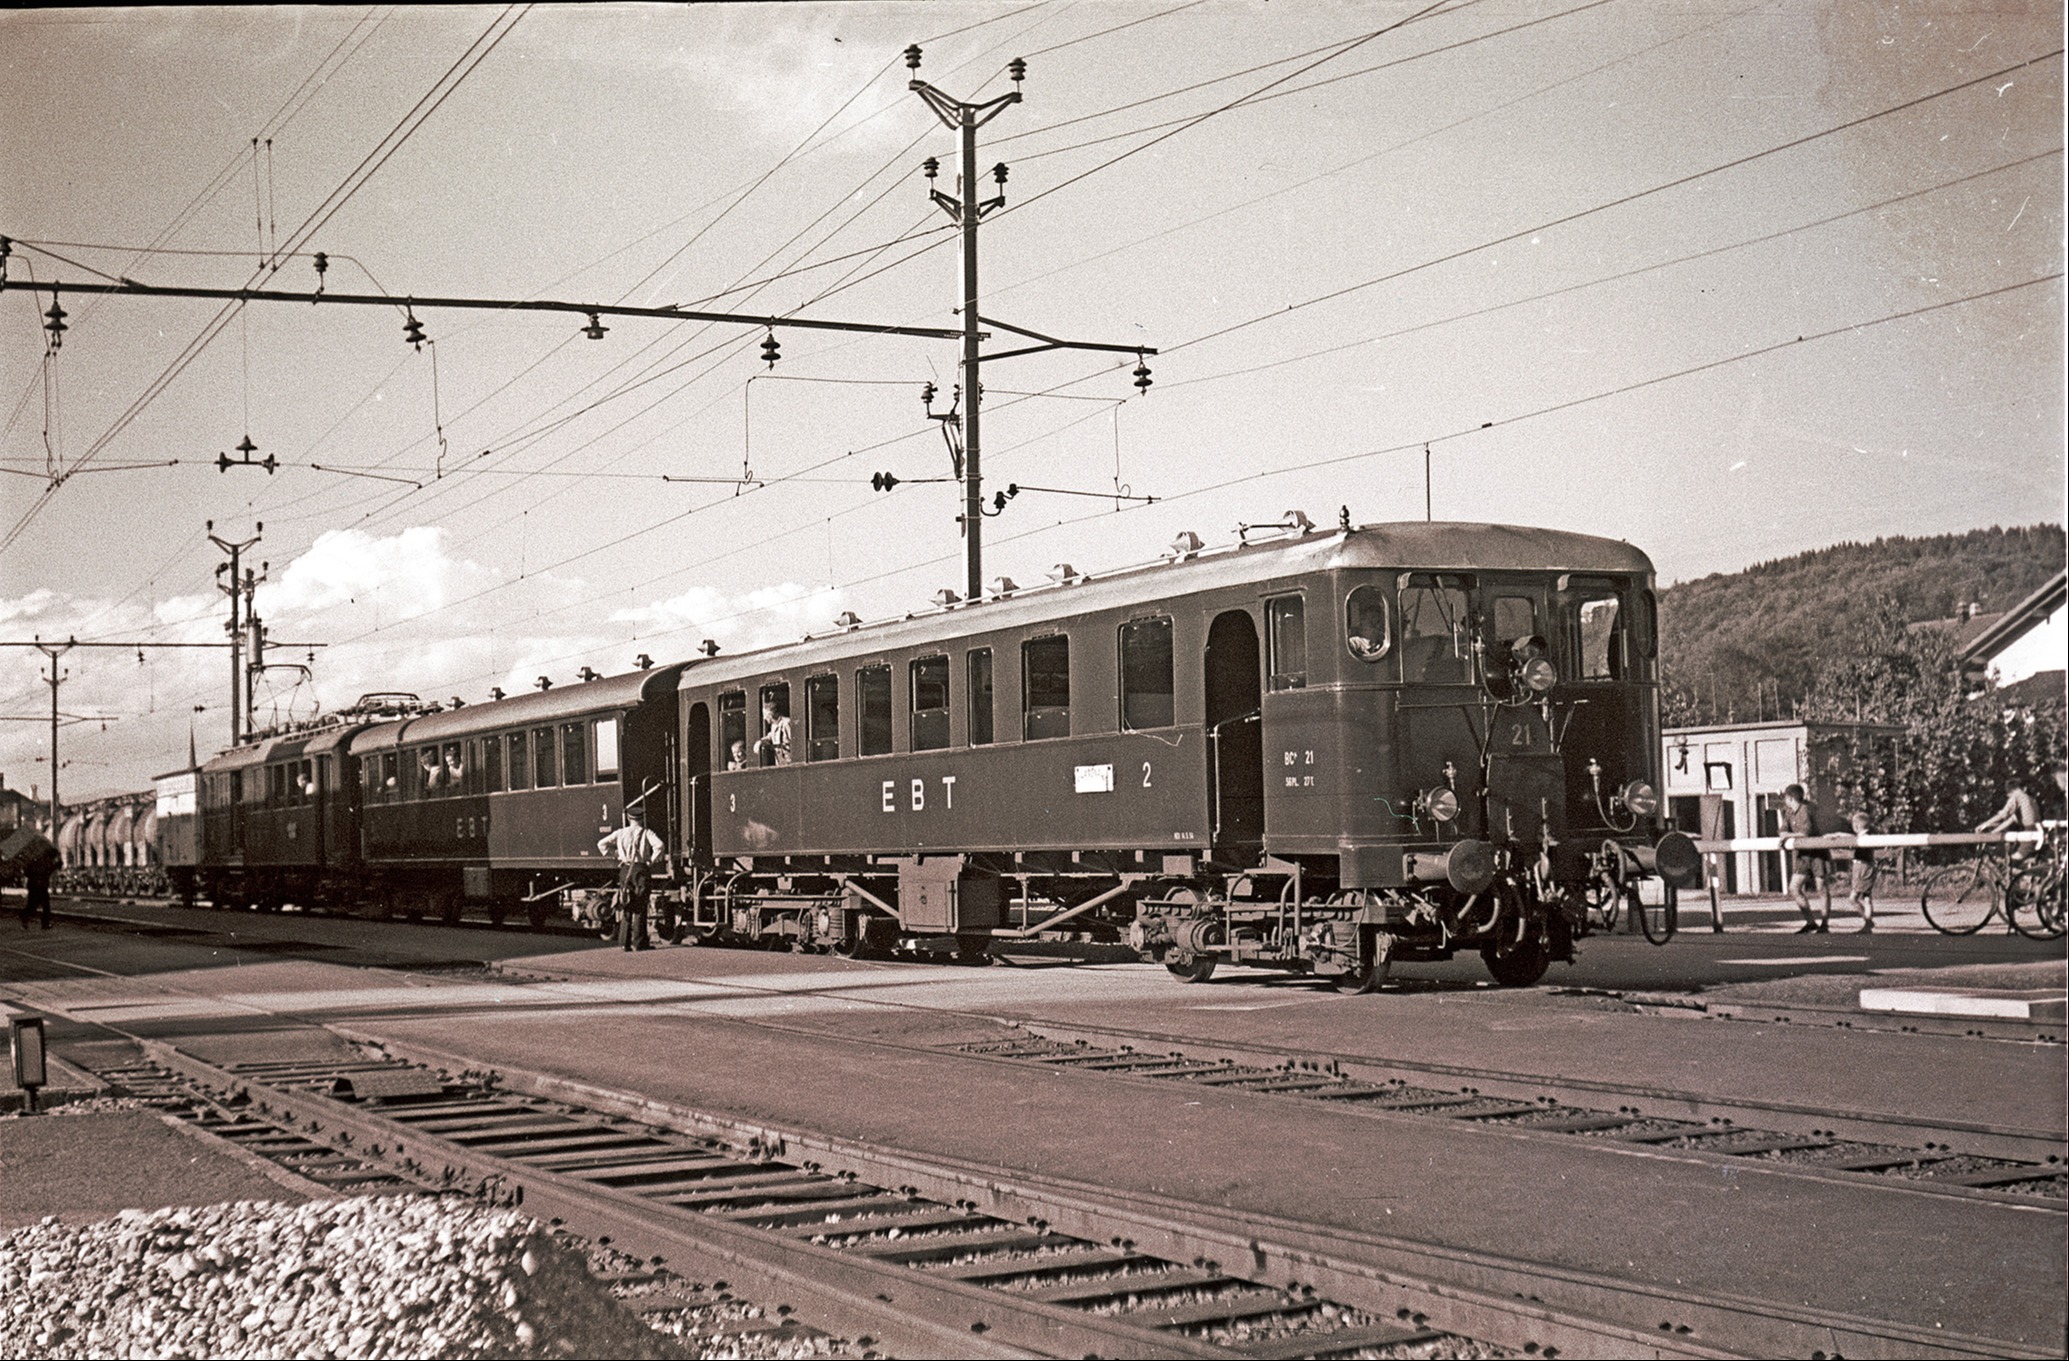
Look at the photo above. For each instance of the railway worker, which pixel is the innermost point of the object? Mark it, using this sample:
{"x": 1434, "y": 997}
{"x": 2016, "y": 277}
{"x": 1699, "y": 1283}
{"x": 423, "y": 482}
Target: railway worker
{"x": 637, "y": 851}
{"x": 775, "y": 738}
{"x": 1860, "y": 895}
{"x": 31, "y": 853}
{"x": 1800, "y": 817}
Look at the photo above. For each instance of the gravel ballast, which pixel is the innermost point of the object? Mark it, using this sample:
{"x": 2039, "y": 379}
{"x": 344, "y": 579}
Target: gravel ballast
{"x": 392, "y": 1276}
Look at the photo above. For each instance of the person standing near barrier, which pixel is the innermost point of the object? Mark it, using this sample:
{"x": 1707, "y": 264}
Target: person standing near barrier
{"x": 1800, "y": 818}
{"x": 1861, "y": 890}
{"x": 637, "y": 851}
{"x": 27, "y": 850}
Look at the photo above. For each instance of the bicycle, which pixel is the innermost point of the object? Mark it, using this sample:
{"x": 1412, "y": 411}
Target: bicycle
{"x": 1960, "y": 900}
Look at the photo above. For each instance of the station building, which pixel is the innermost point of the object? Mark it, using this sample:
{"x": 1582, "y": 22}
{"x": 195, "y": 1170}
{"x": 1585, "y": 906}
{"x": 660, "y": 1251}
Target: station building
{"x": 1726, "y": 780}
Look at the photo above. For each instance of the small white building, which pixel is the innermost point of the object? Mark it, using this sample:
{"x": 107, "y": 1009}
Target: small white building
{"x": 1726, "y": 780}
{"x": 2028, "y": 639}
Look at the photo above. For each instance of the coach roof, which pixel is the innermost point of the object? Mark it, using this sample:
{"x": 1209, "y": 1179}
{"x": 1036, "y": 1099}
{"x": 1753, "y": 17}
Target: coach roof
{"x": 540, "y": 706}
{"x": 1411, "y": 546}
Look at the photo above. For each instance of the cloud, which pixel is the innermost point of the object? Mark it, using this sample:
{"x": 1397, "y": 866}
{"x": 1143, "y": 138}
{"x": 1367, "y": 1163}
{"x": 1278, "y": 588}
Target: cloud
{"x": 758, "y": 618}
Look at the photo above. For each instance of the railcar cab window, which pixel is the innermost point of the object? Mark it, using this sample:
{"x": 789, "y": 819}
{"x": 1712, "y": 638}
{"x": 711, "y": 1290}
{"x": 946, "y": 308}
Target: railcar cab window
{"x": 1045, "y": 687}
{"x": 732, "y": 730}
{"x": 1148, "y": 692}
{"x": 1286, "y": 625}
{"x": 1367, "y": 630}
{"x": 1599, "y": 617}
{"x": 773, "y": 747}
{"x": 544, "y": 772}
{"x": 873, "y": 710}
{"x": 978, "y": 666}
{"x": 929, "y": 703}
{"x": 823, "y": 718}
{"x": 1434, "y": 612}
{"x": 520, "y": 762}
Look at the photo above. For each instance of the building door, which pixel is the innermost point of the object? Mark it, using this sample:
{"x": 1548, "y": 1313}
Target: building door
{"x": 1235, "y": 738}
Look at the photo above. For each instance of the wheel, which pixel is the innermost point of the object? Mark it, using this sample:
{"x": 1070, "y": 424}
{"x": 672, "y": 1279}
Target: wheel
{"x": 2034, "y": 904}
{"x": 1365, "y": 976}
{"x": 1658, "y": 922}
{"x": 535, "y": 915}
{"x": 1958, "y": 899}
{"x": 449, "y": 909}
{"x": 497, "y": 914}
{"x": 1519, "y": 965}
{"x": 1190, "y": 968}
{"x": 972, "y": 950}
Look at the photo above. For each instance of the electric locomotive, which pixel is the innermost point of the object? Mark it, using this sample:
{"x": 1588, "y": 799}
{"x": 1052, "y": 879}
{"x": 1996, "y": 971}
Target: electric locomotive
{"x": 1325, "y": 753}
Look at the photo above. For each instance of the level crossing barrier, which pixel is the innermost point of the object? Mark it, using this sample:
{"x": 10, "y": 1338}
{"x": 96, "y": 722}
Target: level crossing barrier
{"x": 1846, "y": 841}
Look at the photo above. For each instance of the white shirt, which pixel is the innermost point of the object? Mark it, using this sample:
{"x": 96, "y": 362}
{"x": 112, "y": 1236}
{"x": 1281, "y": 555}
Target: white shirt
{"x": 630, "y": 843}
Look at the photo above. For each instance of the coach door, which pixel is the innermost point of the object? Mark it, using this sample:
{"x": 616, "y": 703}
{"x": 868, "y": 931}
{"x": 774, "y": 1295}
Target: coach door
{"x": 696, "y": 768}
{"x": 1235, "y": 738}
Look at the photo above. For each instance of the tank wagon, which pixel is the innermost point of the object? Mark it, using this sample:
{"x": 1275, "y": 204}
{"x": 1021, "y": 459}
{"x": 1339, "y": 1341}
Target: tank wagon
{"x": 1325, "y": 752}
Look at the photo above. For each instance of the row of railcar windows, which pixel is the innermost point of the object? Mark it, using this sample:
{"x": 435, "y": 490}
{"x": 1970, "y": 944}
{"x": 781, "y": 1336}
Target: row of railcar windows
{"x": 545, "y": 757}
{"x": 1148, "y": 699}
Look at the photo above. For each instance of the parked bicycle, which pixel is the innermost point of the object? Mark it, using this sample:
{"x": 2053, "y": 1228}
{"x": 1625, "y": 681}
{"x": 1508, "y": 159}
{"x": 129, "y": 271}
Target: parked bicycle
{"x": 1961, "y": 899}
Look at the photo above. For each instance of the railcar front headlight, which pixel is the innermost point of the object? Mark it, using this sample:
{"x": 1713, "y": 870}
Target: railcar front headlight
{"x": 1540, "y": 675}
{"x": 1441, "y": 803}
{"x": 1641, "y": 798}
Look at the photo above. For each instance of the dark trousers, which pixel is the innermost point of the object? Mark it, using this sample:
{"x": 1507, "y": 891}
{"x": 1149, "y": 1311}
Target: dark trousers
{"x": 39, "y": 898}
{"x": 632, "y": 921}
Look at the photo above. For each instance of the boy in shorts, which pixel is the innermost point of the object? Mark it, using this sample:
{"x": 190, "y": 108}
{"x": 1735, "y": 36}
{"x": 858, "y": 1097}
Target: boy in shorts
{"x": 1861, "y": 893}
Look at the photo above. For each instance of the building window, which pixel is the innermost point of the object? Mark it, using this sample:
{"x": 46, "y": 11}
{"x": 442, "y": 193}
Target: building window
{"x": 873, "y": 709}
{"x": 520, "y": 762}
{"x": 1148, "y": 692}
{"x": 732, "y": 729}
{"x": 929, "y": 703}
{"x": 1287, "y": 625}
{"x": 823, "y": 718}
{"x": 606, "y": 748}
{"x": 1045, "y": 688}
{"x": 979, "y": 669}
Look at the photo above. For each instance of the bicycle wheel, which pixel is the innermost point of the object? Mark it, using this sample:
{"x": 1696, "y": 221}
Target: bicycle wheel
{"x": 2034, "y": 904}
{"x": 1959, "y": 899}
{"x": 1656, "y": 920}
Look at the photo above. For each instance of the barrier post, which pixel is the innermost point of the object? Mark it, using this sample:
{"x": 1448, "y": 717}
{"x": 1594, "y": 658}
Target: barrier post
{"x": 1716, "y": 911}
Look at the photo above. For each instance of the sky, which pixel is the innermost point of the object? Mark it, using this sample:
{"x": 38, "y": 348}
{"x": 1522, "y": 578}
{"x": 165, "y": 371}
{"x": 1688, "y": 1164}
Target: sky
{"x": 1728, "y": 280}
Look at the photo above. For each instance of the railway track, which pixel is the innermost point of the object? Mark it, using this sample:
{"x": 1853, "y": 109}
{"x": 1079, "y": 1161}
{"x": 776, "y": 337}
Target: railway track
{"x": 887, "y": 1265}
{"x": 1959, "y": 1159}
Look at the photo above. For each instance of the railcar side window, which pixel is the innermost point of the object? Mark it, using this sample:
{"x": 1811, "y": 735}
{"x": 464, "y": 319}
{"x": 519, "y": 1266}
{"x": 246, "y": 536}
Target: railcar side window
{"x": 732, "y": 729}
{"x": 1601, "y": 635}
{"x": 873, "y": 709}
{"x": 929, "y": 703}
{"x": 979, "y": 667}
{"x": 544, "y": 773}
{"x": 430, "y": 773}
{"x": 1287, "y": 621}
{"x": 1045, "y": 687}
{"x": 455, "y": 767}
{"x": 574, "y": 753}
{"x": 520, "y": 762}
{"x": 1366, "y": 629}
{"x": 773, "y": 748}
{"x": 1645, "y": 623}
{"x": 1433, "y": 620}
{"x": 1148, "y": 692}
{"x": 606, "y": 748}
{"x": 492, "y": 764}
{"x": 823, "y": 718}
{"x": 391, "y": 774}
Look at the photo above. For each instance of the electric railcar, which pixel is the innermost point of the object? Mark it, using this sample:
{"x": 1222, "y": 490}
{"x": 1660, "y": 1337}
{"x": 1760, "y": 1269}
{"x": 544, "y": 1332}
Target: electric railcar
{"x": 1326, "y": 753}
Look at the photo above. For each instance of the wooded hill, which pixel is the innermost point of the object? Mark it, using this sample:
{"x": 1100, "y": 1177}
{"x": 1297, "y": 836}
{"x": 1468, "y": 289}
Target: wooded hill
{"x": 1743, "y": 645}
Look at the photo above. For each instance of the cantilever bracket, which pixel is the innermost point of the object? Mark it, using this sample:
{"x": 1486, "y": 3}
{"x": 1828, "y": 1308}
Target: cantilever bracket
{"x": 1052, "y": 343}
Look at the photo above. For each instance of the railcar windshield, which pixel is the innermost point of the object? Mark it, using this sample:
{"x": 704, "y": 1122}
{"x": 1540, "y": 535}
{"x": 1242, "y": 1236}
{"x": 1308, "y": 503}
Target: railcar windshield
{"x": 1434, "y": 611}
{"x": 1601, "y": 628}
{"x": 1367, "y": 631}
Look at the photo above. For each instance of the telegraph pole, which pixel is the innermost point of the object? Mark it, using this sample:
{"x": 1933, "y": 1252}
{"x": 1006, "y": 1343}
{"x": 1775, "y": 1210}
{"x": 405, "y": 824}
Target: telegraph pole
{"x": 239, "y": 591}
{"x": 53, "y": 651}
